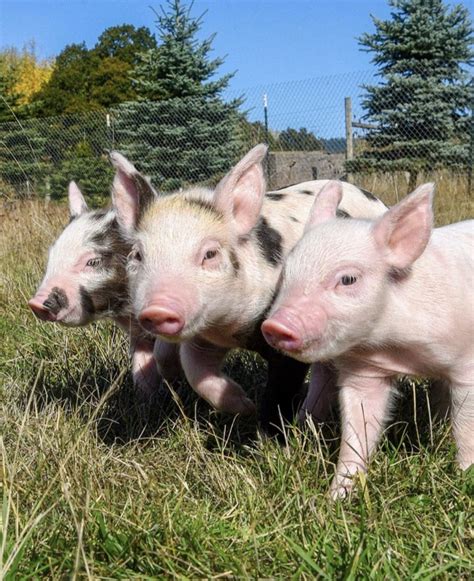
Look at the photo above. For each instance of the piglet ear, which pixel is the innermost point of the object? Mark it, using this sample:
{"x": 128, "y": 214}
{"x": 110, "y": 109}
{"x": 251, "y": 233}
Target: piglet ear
{"x": 403, "y": 232}
{"x": 239, "y": 195}
{"x": 325, "y": 205}
{"x": 132, "y": 192}
{"x": 77, "y": 203}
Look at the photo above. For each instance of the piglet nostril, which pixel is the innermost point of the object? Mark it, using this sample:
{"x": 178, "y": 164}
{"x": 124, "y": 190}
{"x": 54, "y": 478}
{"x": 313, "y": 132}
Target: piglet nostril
{"x": 280, "y": 336}
{"x": 161, "y": 321}
{"x": 41, "y": 310}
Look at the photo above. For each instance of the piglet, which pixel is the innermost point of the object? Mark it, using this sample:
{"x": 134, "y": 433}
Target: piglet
{"x": 86, "y": 280}
{"x": 381, "y": 298}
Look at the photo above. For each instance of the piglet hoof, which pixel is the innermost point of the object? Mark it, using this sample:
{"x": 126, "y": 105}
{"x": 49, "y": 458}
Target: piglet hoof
{"x": 341, "y": 488}
{"x": 239, "y": 405}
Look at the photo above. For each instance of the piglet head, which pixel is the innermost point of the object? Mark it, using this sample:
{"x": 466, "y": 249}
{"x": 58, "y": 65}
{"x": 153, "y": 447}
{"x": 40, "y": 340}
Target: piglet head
{"x": 184, "y": 266}
{"x": 337, "y": 279}
{"x": 85, "y": 276}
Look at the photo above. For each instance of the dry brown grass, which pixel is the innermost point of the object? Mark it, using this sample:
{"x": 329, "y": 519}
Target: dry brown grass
{"x": 452, "y": 200}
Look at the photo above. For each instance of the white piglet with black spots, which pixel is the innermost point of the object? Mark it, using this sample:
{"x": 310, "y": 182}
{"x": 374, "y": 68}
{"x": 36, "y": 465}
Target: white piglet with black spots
{"x": 86, "y": 280}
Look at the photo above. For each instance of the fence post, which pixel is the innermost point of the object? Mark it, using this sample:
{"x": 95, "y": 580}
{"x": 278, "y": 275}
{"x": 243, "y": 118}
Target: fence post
{"x": 47, "y": 187}
{"x": 349, "y": 144}
{"x": 265, "y": 115}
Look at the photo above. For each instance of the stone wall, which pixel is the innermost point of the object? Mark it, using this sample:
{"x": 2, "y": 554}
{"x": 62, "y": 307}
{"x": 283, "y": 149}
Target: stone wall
{"x": 290, "y": 167}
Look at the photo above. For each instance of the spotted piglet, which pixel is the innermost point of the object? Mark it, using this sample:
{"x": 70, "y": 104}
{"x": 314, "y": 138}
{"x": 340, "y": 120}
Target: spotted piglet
{"x": 86, "y": 280}
{"x": 381, "y": 298}
{"x": 204, "y": 270}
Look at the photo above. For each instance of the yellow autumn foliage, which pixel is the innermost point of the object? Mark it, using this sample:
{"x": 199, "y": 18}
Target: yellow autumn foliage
{"x": 29, "y": 72}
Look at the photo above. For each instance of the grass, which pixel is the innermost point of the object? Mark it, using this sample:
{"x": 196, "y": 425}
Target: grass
{"x": 98, "y": 485}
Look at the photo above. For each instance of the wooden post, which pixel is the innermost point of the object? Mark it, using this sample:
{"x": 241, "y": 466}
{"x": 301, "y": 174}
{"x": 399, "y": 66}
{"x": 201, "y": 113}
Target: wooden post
{"x": 349, "y": 144}
{"x": 47, "y": 187}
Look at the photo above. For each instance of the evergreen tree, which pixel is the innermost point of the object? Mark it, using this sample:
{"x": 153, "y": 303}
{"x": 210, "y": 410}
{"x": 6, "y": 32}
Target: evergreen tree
{"x": 298, "y": 140}
{"x": 92, "y": 172}
{"x": 182, "y": 131}
{"x": 421, "y": 107}
{"x": 21, "y": 163}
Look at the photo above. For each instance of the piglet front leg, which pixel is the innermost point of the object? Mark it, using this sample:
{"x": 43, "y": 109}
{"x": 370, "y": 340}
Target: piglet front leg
{"x": 167, "y": 360}
{"x": 202, "y": 363}
{"x": 144, "y": 370}
{"x": 462, "y": 413}
{"x": 322, "y": 393}
{"x": 364, "y": 401}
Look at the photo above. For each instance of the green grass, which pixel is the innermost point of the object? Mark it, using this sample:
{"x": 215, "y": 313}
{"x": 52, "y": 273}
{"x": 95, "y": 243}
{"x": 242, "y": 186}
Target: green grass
{"x": 98, "y": 485}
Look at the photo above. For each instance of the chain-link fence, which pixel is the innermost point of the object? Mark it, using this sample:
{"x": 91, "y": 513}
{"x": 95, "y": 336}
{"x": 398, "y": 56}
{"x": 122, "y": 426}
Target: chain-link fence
{"x": 318, "y": 128}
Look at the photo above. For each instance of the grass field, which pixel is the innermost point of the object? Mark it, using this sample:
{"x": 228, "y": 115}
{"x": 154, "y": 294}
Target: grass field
{"x": 96, "y": 485}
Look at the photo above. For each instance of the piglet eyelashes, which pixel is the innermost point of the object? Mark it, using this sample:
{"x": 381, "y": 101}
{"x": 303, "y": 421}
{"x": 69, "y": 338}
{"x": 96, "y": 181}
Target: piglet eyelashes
{"x": 211, "y": 254}
{"x": 348, "y": 279}
{"x": 94, "y": 262}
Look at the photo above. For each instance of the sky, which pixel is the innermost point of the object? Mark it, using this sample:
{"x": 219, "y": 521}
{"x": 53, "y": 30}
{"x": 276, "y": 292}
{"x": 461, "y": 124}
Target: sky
{"x": 269, "y": 43}
{"x": 266, "y": 41}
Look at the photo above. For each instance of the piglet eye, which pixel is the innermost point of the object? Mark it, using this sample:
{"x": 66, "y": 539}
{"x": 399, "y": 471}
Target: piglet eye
{"x": 347, "y": 280}
{"x": 94, "y": 262}
{"x": 210, "y": 254}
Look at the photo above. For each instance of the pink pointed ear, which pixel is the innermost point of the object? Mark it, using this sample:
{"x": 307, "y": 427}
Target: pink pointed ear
{"x": 77, "y": 203}
{"x": 239, "y": 195}
{"x": 131, "y": 191}
{"x": 403, "y": 232}
{"x": 325, "y": 205}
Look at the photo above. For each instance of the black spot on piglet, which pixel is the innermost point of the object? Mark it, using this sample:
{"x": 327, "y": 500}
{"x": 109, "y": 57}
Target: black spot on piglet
{"x": 276, "y": 196}
{"x": 269, "y": 241}
{"x": 369, "y": 195}
{"x": 56, "y": 300}
{"x": 342, "y": 213}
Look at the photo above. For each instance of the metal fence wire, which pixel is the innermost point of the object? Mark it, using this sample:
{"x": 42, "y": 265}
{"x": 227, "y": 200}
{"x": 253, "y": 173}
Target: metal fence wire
{"x": 316, "y": 128}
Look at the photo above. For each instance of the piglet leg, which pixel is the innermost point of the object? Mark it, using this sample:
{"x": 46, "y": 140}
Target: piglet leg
{"x": 322, "y": 393}
{"x": 202, "y": 366}
{"x": 144, "y": 370}
{"x": 364, "y": 402}
{"x": 167, "y": 359}
{"x": 462, "y": 415}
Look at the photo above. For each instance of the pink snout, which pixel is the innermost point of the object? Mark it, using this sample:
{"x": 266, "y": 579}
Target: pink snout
{"x": 162, "y": 319}
{"x": 42, "y": 312}
{"x": 282, "y": 333}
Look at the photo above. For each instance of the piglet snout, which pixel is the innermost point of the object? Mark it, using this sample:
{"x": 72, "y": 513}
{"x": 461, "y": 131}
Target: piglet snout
{"x": 162, "y": 319}
{"x": 41, "y": 311}
{"x": 282, "y": 333}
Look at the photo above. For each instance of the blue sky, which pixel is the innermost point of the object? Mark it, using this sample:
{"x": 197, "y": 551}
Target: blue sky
{"x": 268, "y": 43}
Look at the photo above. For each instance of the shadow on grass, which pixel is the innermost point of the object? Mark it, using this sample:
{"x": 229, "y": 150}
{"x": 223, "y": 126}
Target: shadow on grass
{"x": 123, "y": 417}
